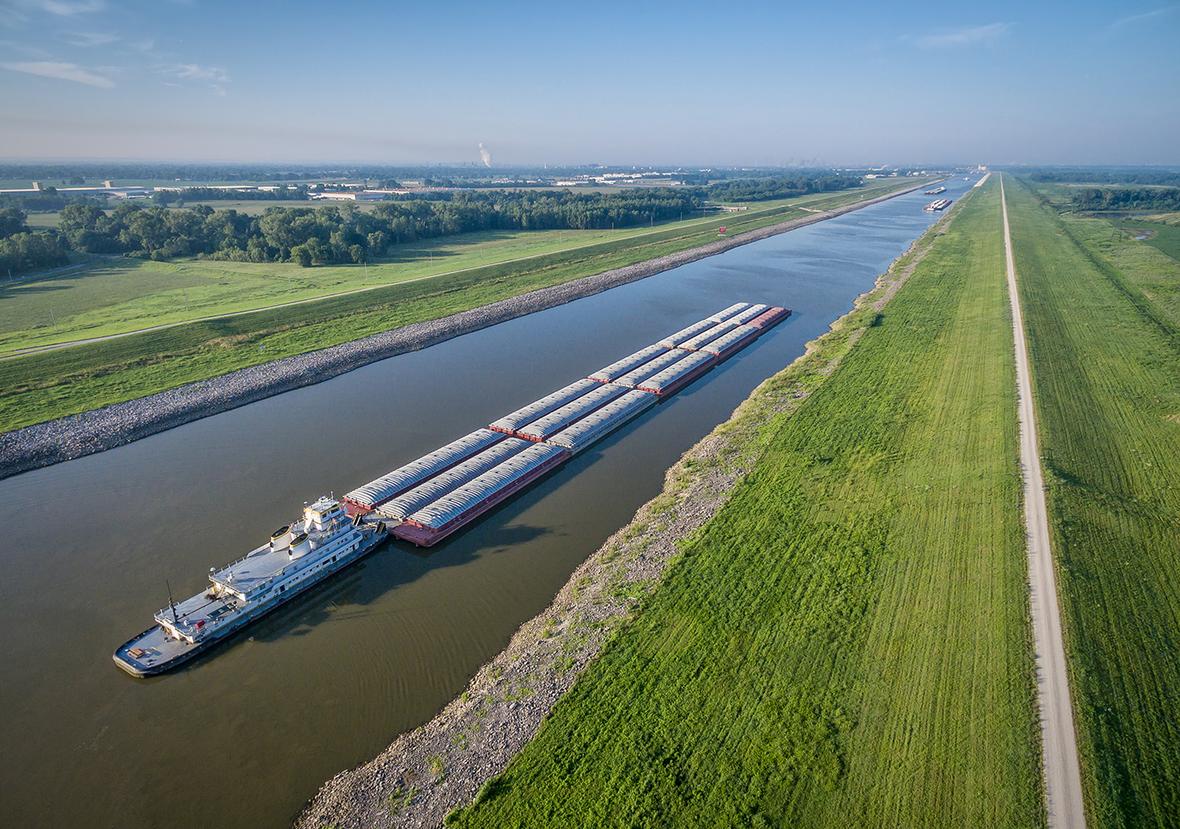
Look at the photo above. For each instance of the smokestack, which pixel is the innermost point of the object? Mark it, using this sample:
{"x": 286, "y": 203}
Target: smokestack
{"x": 485, "y": 155}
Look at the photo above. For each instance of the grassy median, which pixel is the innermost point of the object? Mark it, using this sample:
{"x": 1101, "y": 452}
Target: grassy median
{"x": 846, "y": 642}
{"x": 1103, "y": 323}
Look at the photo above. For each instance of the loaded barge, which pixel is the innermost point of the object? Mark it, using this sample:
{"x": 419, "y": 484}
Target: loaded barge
{"x": 430, "y": 498}
{"x": 436, "y": 495}
{"x": 937, "y": 204}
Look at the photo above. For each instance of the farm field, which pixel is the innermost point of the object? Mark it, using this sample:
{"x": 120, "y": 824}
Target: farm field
{"x": 426, "y": 282}
{"x": 846, "y": 642}
{"x": 1104, "y": 338}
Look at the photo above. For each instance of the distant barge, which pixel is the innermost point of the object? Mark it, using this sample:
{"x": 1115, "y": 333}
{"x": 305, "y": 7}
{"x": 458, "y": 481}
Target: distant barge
{"x": 935, "y": 191}
{"x": 438, "y": 494}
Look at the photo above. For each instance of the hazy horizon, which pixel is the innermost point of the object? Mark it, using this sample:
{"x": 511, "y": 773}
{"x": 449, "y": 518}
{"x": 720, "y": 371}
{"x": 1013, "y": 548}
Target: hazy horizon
{"x": 699, "y": 85}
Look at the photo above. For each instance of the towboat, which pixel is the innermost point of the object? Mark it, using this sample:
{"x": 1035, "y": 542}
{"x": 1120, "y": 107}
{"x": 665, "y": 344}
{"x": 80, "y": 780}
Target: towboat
{"x": 297, "y": 556}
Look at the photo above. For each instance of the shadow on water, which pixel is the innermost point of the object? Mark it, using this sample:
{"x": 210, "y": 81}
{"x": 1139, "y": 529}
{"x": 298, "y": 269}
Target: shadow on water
{"x": 364, "y": 583}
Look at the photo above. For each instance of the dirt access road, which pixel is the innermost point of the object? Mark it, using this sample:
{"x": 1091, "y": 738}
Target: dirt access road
{"x": 1059, "y": 743}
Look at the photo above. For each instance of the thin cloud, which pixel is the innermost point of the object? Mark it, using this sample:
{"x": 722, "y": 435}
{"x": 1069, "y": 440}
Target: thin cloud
{"x": 216, "y": 77}
{"x": 60, "y": 71}
{"x": 197, "y": 72}
{"x": 968, "y": 36}
{"x": 1139, "y": 18}
{"x": 69, "y": 8}
{"x": 90, "y": 38}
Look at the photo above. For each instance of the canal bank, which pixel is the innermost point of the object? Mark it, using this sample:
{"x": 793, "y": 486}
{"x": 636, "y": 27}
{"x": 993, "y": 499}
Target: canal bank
{"x": 328, "y": 682}
{"x": 76, "y": 436}
{"x": 445, "y": 764}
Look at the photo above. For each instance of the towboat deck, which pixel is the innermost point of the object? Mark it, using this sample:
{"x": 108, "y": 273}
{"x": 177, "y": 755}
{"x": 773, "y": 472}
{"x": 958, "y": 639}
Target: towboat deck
{"x": 153, "y": 652}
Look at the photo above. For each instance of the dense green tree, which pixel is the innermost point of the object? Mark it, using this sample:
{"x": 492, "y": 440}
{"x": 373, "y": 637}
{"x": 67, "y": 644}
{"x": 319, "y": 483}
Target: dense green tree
{"x": 1127, "y": 198}
{"x": 343, "y": 233}
{"x": 12, "y": 220}
{"x": 24, "y": 251}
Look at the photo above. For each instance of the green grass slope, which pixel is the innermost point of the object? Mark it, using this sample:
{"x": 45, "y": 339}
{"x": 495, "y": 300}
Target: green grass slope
{"x": 845, "y": 643}
{"x": 47, "y": 385}
{"x": 1106, "y": 371}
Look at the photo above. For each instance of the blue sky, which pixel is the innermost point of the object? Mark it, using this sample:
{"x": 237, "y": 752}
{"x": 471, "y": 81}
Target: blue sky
{"x": 684, "y": 83}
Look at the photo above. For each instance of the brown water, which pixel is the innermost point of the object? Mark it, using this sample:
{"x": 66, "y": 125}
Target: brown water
{"x": 245, "y": 736}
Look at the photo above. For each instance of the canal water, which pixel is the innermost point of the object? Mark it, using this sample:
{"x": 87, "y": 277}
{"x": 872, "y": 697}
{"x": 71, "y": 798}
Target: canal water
{"x": 244, "y": 737}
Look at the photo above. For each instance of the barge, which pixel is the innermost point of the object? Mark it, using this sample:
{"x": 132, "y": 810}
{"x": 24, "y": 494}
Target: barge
{"x": 570, "y": 420}
{"x": 629, "y": 363}
{"x": 432, "y": 497}
{"x": 595, "y": 426}
{"x": 297, "y": 556}
{"x": 511, "y": 423}
{"x": 555, "y": 421}
{"x": 732, "y": 342}
{"x": 936, "y": 205}
{"x": 726, "y": 313}
{"x": 368, "y": 497}
{"x": 637, "y": 375}
{"x": 406, "y": 504}
{"x": 707, "y": 336}
{"x": 935, "y": 191}
{"x": 433, "y": 523}
{"x": 678, "y": 375}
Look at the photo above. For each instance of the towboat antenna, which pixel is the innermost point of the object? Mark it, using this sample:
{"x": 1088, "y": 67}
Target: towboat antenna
{"x": 171, "y": 603}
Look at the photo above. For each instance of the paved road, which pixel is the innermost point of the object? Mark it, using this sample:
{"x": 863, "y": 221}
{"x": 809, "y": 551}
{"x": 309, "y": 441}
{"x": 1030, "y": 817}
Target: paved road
{"x": 1063, "y": 780}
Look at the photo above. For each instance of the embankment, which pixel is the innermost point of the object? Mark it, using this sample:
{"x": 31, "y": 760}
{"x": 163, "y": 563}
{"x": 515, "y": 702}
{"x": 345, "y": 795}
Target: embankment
{"x": 72, "y": 437}
{"x": 445, "y": 763}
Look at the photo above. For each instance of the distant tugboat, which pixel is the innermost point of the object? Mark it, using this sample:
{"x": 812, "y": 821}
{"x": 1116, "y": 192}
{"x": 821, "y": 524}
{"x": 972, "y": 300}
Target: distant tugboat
{"x": 296, "y": 557}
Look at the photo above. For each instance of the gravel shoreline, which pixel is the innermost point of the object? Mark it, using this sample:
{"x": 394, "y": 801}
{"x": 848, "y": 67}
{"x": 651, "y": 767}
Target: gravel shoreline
{"x": 75, "y": 436}
{"x": 447, "y": 763}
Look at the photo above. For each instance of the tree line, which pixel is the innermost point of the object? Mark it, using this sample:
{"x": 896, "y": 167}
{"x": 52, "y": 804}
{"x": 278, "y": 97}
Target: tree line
{"x": 1108, "y": 175}
{"x": 1126, "y": 198}
{"x": 779, "y": 187}
{"x": 22, "y": 249}
{"x": 342, "y": 233}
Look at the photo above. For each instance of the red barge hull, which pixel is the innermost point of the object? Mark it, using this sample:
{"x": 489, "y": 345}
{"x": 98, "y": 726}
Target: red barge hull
{"x": 422, "y": 536}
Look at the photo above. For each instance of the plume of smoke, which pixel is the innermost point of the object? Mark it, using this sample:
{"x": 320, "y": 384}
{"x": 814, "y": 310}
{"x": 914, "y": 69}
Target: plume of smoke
{"x": 485, "y": 155}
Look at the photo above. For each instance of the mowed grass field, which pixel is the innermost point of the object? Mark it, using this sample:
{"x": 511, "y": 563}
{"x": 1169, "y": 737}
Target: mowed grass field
{"x": 42, "y": 386}
{"x": 111, "y": 295}
{"x": 846, "y": 643}
{"x": 1104, "y": 339}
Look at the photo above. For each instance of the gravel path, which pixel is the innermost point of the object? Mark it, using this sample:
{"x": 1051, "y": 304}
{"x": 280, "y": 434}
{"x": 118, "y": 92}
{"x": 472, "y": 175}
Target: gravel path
{"x": 1059, "y": 741}
{"x": 446, "y": 763}
{"x": 78, "y": 435}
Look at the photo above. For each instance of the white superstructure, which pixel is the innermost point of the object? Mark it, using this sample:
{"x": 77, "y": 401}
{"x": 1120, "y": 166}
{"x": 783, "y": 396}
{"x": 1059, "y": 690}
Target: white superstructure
{"x": 297, "y": 556}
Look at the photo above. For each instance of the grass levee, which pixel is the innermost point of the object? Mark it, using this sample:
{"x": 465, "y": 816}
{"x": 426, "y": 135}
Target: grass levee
{"x": 846, "y": 642}
{"x": 43, "y": 386}
{"x": 1101, "y": 318}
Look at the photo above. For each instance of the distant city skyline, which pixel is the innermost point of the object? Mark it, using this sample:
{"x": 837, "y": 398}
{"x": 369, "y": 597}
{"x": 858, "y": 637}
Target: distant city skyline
{"x": 756, "y": 84}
